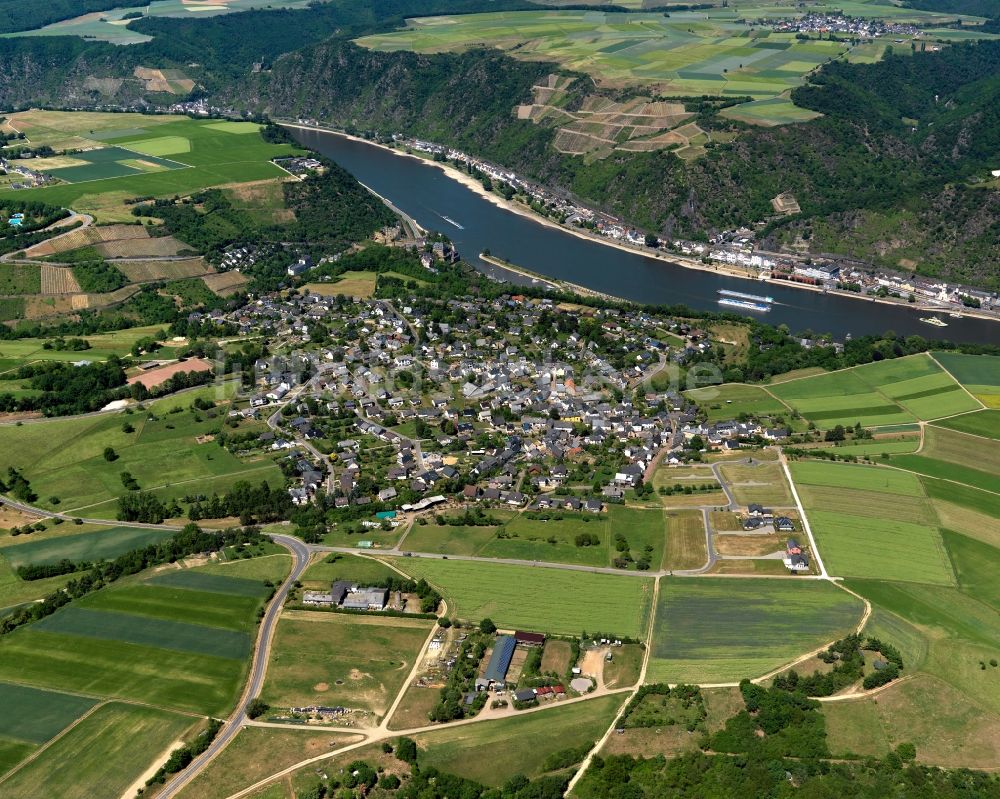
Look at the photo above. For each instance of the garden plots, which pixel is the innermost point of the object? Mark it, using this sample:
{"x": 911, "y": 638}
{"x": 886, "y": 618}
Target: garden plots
{"x": 686, "y": 53}
{"x": 980, "y": 374}
{"x": 551, "y": 537}
{"x": 167, "y": 453}
{"x": 870, "y": 521}
{"x": 722, "y": 630}
{"x": 552, "y": 600}
{"x": 340, "y": 659}
{"x": 892, "y": 392}
{"x": 206, "y": 153}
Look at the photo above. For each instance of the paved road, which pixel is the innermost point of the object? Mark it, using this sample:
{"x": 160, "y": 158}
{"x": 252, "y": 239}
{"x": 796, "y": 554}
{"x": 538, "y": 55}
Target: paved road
{"x": 237, "y": 719}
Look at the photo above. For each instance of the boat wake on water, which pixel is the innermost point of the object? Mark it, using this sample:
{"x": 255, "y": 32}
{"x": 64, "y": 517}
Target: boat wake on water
{"x": 451, "y": 221}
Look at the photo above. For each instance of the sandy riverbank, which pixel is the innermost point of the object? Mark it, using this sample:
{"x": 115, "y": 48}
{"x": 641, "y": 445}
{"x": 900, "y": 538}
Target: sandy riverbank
{"x": 679, "y": 260}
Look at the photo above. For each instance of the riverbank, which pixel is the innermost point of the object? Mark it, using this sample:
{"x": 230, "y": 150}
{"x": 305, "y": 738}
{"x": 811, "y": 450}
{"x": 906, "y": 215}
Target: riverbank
{"x": 557, "y": 285}
{"x": 720, "y": 270}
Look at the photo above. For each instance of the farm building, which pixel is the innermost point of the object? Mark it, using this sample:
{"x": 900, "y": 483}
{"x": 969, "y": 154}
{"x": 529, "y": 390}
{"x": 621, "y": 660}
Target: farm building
{"x": 366, "y": 599}
{"x": 529, "y": 639}
{"x": 503, "y": 652}
{"x": 524, "y": 695}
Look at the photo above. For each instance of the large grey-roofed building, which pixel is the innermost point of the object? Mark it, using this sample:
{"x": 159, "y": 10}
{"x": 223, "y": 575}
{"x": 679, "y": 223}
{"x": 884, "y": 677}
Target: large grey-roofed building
{"x": 503, "y": 652}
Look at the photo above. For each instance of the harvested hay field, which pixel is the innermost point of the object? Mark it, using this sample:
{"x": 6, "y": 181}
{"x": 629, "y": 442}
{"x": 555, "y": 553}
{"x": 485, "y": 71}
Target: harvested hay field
{"x": 107, "y": 300}
{"x": 58, "y": 280}
{"x": 154, "y": 377}
{"x": 142, "y": 271}
{"x": 264, "y": 200}
{"x": 141, "y": 247}
{"x": 225, "y": 283}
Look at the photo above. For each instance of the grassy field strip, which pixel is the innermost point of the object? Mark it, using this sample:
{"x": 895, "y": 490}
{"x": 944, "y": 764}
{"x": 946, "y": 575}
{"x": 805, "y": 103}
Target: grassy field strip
{"x": 539, "y": 598}
{"x": 983, "y": 424}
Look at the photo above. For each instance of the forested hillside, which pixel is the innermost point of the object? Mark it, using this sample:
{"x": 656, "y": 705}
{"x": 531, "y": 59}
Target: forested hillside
{"x": 886, "y": 149}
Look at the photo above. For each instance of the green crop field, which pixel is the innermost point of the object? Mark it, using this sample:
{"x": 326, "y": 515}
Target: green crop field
{"x": 722, "y": 630}
{"x": 729, "y": 400}
{"x": 341, "y": 659}
{"x": 67, "y": 457}
{"x": 100, "y": 756}
{"x": 874, "y": 448}
{"x": 145, "y": 642}
{"x": 947, "y": 470}
{"x": 202, "y": 154}
{"x": 866, "y": 478}
{"x": 95, "y": 545}
{"x": 539, "y": 598}
{"x": 962, "y": 449}
{"x": 129, "y": 628}
{"x": 490, "y": 753}
{"x": 686, "y": 53}
{"x": 346, "y": 567}
{"x": 866, "y": 546}
{"x": 980, "y": 374}
{"x": 982, "y": 423}
{"x": 888, "y": 392}
{"x": 31, "y": 717}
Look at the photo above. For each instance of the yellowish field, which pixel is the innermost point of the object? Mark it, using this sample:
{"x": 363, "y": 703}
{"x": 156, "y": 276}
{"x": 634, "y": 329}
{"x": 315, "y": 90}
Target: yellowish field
{"x": 58, "y": 280}
{"x": 350, "y": 284}
{"x": 225, "y": 283}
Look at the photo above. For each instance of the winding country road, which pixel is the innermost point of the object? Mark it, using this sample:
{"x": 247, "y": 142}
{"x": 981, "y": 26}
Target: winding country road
{"x": 238, "y": 718}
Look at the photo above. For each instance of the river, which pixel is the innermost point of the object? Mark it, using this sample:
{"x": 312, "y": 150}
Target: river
{"x": 432, "y": 198}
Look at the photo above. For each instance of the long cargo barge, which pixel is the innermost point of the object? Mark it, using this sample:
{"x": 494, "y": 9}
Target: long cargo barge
{"x": 746, "y": 305}
{"x": 741, "y": 296}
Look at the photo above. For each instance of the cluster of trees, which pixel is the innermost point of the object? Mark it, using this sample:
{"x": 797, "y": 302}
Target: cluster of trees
{"x": 182, "y": 756}
{"x": 68, "y": 389}
{"x": 848, "y": 669}
{"x": 460, "y": 681}
{"x": 98, "y": 277}
{"x": 18, "y": 486}
{"x": 251, "y": 503}
{"x": 142, "y": 506}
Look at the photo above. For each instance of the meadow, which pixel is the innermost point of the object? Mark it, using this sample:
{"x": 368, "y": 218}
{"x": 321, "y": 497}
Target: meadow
{"x": 490, "y": 753}
{"x": 763, "y": 483}
{"x": 728, "y": 400}
{"x": 341, "y": 659}
{"x": 67, "y": 456}
{"x": 855, "y": 476}
{"x": 686, "y": 544}
{"x": 722, "y": 630}
{"x": 890, "y": 392}
{"x": 165, "y": 651}
{"x": 201, "y": 153}
{"x": 538, "y": 598}
{"x": 550, "y": 541}
{"x": 955, "y": 456}
{"x": 345, "y": 567}
{"x": 103, "y": 752}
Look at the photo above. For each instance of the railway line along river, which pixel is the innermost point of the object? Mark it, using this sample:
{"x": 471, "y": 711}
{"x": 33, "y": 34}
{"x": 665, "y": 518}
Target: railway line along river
{"x": 438, "y": 202}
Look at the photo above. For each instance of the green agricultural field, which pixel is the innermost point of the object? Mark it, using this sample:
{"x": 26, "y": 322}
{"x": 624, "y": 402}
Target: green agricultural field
{"x": 449, "y": 539}
{"x": 229, "y": 611}
{"x": 31, "y": 717}
{"x": 980, "y": 374}
{"x": 685, "y": 54}
{"x": 203, "y": 579}
{"x": 868, "y": 546}
{"x": 982, "y": 423}
{"x": 887, "y": 392}
{"x": 490, "y": 753}
{"x": 729, "y": 400}
{"x": 845, "y": 475}
{"x": 873, "y": 448}
{"x": 342, "y": 659}
{"x": 773, "y": 111}
{"x": 962, "y": 449}
{"x": 162, "y": 454}
{"x": 269, "y": 567}
{"x": 104, "y": 754}
{"x": 722, "y": 630}
{"x": 14, "y": 591}
{"x": 686, "y": 543}
{"x": 538, "y": 598}
{"x": 947, "y": 470}
{"x": 976, "y": 566}
{"x": 216, "y": 154}
{"x": 95, "y": 545}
